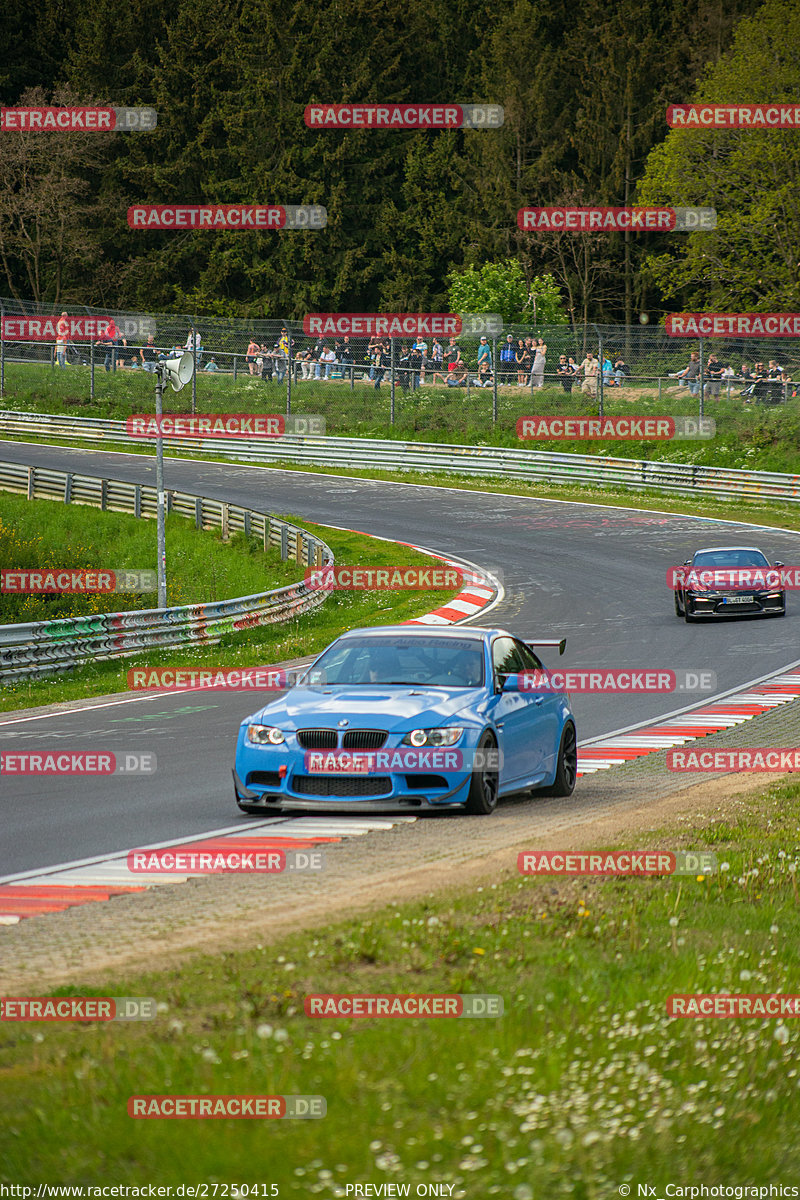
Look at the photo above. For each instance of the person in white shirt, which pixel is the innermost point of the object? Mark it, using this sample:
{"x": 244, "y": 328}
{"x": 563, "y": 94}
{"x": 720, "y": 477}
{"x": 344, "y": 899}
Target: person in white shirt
{"x": 327, "y": 359}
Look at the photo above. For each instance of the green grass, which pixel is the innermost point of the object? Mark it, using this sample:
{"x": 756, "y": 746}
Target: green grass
{"x": 749, "y": 436}
{"x": 584, "y": 1084}
{"x": 46, "y": 534}
{"x": 261, "y": 645}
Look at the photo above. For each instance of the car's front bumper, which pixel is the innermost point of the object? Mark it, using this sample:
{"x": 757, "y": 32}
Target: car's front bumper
{"x": 278, "y": 799}
{"x": 723, "y": 606}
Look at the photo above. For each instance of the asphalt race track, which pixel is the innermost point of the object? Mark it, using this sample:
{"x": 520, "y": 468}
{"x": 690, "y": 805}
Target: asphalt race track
{"x": 593, "y": 574}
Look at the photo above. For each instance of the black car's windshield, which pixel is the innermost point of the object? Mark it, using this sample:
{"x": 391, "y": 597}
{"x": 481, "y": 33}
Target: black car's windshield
{"x": 396, "y": 661}
{"x": 729, "y": 558}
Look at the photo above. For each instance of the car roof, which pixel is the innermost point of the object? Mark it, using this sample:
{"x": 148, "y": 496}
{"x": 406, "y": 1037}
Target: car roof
{"x": 718, "y": 549}
{"x": 475, "y": 632}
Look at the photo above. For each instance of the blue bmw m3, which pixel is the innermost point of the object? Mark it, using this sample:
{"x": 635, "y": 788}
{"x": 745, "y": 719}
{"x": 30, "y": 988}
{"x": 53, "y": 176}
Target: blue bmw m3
{"x": 407, "y": 717}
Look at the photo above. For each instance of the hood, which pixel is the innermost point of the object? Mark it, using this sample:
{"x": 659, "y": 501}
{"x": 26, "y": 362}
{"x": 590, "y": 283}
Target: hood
{"x": 379, "y": 706}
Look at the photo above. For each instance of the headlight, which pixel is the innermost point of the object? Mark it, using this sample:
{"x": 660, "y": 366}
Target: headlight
{"x": 433, "y": 737}
{"x": 265, "y": 735}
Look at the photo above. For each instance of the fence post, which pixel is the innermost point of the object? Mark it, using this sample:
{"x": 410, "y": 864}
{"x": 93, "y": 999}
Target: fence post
{"x": 91, "y": 369}
{"x": 2, "y": 352}
{"x": 289, "y": 370}
{"x": 235, "y": 361}
{"x": 659, "y": 389}
{"x": 391, "y": 371}
{"x": 194, "y": 372}
{"x": 600, "y": 389}
{"x": 702, "y": 379}
{"x": 494, "y": 377}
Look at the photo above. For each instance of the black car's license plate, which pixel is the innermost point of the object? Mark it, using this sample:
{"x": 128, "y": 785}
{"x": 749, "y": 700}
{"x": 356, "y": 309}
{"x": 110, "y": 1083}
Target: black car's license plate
{"x": 737, "y": 599}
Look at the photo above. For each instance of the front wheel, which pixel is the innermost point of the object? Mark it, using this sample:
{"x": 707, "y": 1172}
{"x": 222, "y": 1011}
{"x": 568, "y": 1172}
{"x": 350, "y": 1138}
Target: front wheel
{"x": 688, "y": 615}
{"x": 678, "y": 609}
{"x": 482, "y": 798}
{"x": 567, "y": 768}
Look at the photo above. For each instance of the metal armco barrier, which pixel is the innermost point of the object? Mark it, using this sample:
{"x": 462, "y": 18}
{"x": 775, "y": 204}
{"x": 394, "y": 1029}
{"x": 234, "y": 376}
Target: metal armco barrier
{"x": 727, "y": 483}
{"x": 28, "y": 651}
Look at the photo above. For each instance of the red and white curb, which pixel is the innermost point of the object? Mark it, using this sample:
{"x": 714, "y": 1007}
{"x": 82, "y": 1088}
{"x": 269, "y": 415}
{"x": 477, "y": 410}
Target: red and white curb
{"x": 34, "y": 893}
{"x": 481, "y": 591}
{"x": 724, "y": 713}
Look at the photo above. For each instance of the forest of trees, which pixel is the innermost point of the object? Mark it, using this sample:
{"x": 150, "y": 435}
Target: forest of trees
{"x": 585, "y": 87}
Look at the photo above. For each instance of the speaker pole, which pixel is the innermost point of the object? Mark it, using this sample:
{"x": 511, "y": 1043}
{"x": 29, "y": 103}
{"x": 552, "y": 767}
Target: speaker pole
{"x": 160, "y": 511}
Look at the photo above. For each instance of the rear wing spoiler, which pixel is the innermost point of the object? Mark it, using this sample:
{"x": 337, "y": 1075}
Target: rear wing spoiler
{"x": 560, "y": 642}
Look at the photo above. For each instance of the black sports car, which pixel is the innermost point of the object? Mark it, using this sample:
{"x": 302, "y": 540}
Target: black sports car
{"x": 726, "y": 581}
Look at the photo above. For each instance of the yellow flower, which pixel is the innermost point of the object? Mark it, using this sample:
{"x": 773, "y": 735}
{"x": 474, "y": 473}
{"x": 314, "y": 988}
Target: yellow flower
{"x": 478, "y": 950}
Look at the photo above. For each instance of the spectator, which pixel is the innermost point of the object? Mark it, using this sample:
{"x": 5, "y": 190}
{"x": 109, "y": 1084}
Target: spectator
{"x": 565, "y": 374}
{"x": 326, "y": 362}
{"x": 383, "y": 360}
{"x": 403, "y": 372}
{"x": 524, "y": 357}
{"x": 415, "y": 366}
{"x": 773, "y": 370}
{"x": 713, "y": 372}
{"x": 590, "y": 368}
{"x": 508, "y": 360}
{"x": 484, "y": 352}
{"x": 457, "y": 372}
{"x": 148, "y": 355}
{"x": 485, "y": 377}
{"x": 539, "y": 359}
{"x": 438, "y": 360}
{"x": 421, "y": 347}
{"x": 252, "y": 355}
{"x": 621, "y": 371}
{"x": 211, "y": 365}
{"x": 608, "y": 369}
{"x": 789, "y": 388}
{"x": 691, "y": 374}
{"x": 194, "y": 344}
{"x": 280, "y": 355}
{"x": 306, "y": 361}
{"x": 62, "y": 338}
{"x": 451, "y": 354}
{"x": 267, "y": 363}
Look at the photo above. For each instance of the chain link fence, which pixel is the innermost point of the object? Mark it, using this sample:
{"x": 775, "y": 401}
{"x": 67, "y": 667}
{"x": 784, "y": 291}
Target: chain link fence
{"x": 362, "y": 384}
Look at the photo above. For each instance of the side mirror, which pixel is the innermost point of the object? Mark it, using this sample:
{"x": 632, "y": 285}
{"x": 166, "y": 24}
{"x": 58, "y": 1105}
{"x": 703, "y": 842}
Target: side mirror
{"x": 778, "y": 564}
{"x": 511, "y": 683}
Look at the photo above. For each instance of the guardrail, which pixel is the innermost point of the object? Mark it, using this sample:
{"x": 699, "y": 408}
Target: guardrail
{"x": 727, "y": 483}
{"x": 37, "y": 648}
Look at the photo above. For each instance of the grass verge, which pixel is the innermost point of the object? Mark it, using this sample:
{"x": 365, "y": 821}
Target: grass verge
{"x": 41, "y": 535}
{"x": 582, "y": 1086}
{"x": 260, "y": 645}
{"x": 749, "y": 435}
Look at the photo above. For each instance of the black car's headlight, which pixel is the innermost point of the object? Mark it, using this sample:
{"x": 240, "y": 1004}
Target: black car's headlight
{"x": 265, "y": 735}
{"x": 433, "y": 737}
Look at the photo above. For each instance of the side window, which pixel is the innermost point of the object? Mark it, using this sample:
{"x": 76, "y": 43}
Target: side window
{"x": 506, "y": 657}
{"x": 529, "y": 660}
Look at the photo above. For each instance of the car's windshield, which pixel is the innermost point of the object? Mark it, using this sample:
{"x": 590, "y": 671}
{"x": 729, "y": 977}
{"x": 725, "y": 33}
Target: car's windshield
{"x": 429, "y": 661}
{"x": 729, "y": 558}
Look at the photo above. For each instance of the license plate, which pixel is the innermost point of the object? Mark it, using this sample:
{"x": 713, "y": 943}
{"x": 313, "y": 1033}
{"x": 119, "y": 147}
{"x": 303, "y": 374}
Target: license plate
{"x": 737, "y": 600}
